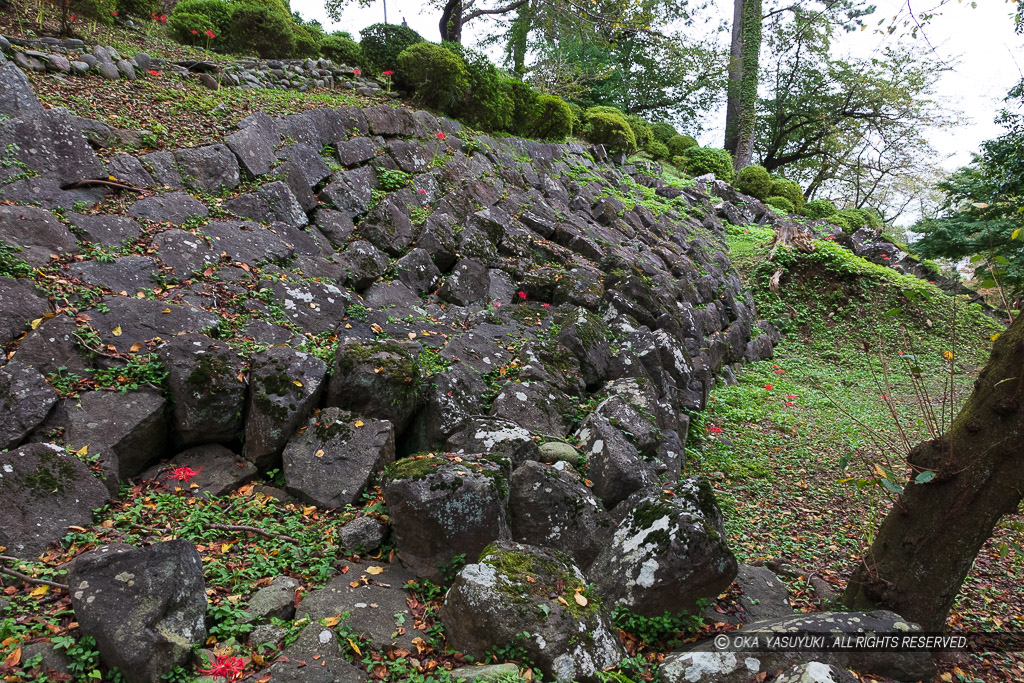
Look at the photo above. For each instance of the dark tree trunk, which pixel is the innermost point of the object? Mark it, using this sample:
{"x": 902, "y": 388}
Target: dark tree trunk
{"x": 928, "y": 541}
{"x": 744, "y": 58}
{"x": 451, "y": 21}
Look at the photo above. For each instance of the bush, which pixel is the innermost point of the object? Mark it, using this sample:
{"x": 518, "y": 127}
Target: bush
{"x": 782, "y": 203}
{"x": 754, "y": 180}
{"x": 383, "y": 43}
{"x": 263, "y": 29}
{"x": 524, "y": 107}
{"x": 436, "y": 76}
{"x": 138, "y": 8}
{"x": 578, "y": 118}
{"x": 702, "y": 160}
{"x": 819, "y": 208}
{"x": 857, "y": 218}
{"x": 658, "y": 150}
{"x": 308, "y": 41}
{"x": 841, "y": 222}
{"x": 641, "y": 131}
{"x": 663, "y": 132}
{"x": 790, "y": 189}
{"x": 341, "y": 49}
{"x": 101, "y": 10}
{"x": 553, "y": 120}
{"x": 217, "y": 12}
{"x": 488, "y": 104}
{"x": 678, "y": 144}
{"x": 609, "y": 128}
{"x": 183, "y": 24}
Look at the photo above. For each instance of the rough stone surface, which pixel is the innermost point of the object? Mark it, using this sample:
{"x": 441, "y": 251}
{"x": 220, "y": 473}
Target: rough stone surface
{"x": 491, "y": 603}
{"x": 17, "y": 99}
{"x": 314, "y": 658}
{"x": 22, "y": 303}
{"x": 375, "y": 379}
{"x": 110, "y": 231}
{"x": 363, "y": 534}
{"x": 667, "y": 552}
{"x": 45, "y": 489}
{"x": 209, "y": 169}
{"x": 331, "y": 463}
{"x": 36, "y": 232}
{"x": 276, "y": 601}
{"x": 175, "y": 207}
{"x": 145, "y": 607}
{"x": 218, "y": 471}
{"x": 25, "y": 401}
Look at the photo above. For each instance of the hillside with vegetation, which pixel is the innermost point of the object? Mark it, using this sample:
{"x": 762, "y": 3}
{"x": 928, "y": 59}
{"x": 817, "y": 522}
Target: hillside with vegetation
{"x": 337, "y": 359}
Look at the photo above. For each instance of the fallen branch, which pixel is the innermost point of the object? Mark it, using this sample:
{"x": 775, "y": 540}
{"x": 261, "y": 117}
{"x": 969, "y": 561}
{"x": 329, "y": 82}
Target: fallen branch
{"x": 254, "y": 530}
{"x": 29, "y": 579}
{"x": 107, "y": 183}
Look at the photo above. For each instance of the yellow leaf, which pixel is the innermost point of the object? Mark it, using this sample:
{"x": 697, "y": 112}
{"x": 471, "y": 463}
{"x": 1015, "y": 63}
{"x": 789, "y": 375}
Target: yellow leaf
{"x": 948, "y": 355}
{"x": 562, "y": 600}
{"x": 14, "y": 658}
{"x": 374, "y": 570}
{"x": 110, "y": 177}
{"x": 166, "y": 310}
{"x": 224, "y": 547}
{"x": 879, "y": 471}
{"x": 116, "y": 331}
{"x": 412, "y": 335}
{"x": 257, "y": 659}
{"x": 355, "y": 647}
{"x": 39, "y": 591}
{"x": 1015, "y": 234}
{"x": 83, "y": 451}
{"x": 348, "y": 326}
{"x": 319, "y": 454}
{"x": 377, "y": 371}
{"x": 307, "y": 511}
{"x": 994, "y": 336}
{"x": 946, "y": 677}
{"x": 331, "y": 622}
{"x": 36, "y": 323}
{"x": 581, "y": 599}
{"x": 359, "y": 423}
{"x": 297, "y": 383}
{"x": 107, "y": 524}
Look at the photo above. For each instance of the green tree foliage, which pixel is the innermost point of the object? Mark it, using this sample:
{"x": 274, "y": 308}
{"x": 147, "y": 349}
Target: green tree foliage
{"x": 663, "y": 132}
{"x": 982, "y": 215}
{"x": 216, "y": 15}
{"x": 488, "y": 103}
{"x": 754, "y": 181}
{"x": 382, "y": 43}
{"x": 658, "y": 150}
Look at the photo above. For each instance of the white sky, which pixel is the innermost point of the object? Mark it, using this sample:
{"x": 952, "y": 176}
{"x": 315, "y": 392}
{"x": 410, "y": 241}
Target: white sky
{"x": 980, "y": 44}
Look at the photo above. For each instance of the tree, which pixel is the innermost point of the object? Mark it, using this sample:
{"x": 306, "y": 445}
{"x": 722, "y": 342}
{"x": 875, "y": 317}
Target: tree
{"x": 744, "y": 59}
{"x": 959, "y": 487}
{"x": 981, "y": 216}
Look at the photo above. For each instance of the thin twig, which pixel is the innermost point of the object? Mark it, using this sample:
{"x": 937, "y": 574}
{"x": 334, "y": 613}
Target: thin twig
{"x": 254, "y": 530}
{"x": 29, "y": 579}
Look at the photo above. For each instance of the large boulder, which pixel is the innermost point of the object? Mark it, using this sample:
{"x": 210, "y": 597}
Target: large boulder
{"x": 615, "y": 467}
{"x": 205, "y": 381}
{"x": 284, "y": 388}
{"x": 22, "y": 304}
{"x": 587, "y": 338}
{"x": 451, "y": 399}
{"x": 375, "y": 379}
{"x": 732, "y": 661}
{"x": 314, "y": 657}
{"x": 444, "y": 506}
{"x": 146, "y": 607}
{"x": 17, "y": 100}
{"x": 497, "y": 437}
{"x": 174, "y": 207}
{"x": 536, "y": 406}
{"x": 332, "y": 461}
{"x": 668, "y": 552}
{"x": 127, "y": 431}
{"x": 36, "y": 232}
{"x": 211, "y": 169}
{"x": 25, "y": 401}
{"x": 533, "y": 599}
{"x": 51, "y": 144}
{"x": 124, "y": 321}
{"x": 550, "y": 506}
{"x": 45, "y": 489}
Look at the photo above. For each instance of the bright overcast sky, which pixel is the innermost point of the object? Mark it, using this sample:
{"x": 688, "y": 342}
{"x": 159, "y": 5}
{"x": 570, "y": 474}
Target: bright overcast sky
{"x": 986, "y": 55}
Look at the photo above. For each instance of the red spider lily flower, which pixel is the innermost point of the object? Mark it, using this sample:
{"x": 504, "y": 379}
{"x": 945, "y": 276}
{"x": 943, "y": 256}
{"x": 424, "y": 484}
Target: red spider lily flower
{"x": 357, "y": 72}
{"x": 497, "y": 303}
{"x": 114, "y": 13}
{"x": 790, "y": 403}
{"x": 884, "y": 397}
{"x": 779, "y": 371}
{"x": 546, "y": 305}
{"x": 441, "y": 135}
{"x": 163, "y": 18}
{"x": 182, "y": 473}
{"x": 195, "y": 32}
{"x": 229, "y": 667}
{"x": 389, "y": 73}
{"x": 791, "y": 397}
{"x": 769, "y": 387}
{"x": 422, "y": 191}
{"x": 521, "y": 295}
{"x": 715, "y": 430}
{"x": 153, "y": 72}
{"x": 210, "y": 34}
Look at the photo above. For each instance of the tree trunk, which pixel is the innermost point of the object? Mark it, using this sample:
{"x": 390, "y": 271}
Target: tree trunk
{"x": 451, "y": 21}
{"x": 928, "y": 541}
{"x": 744, "y": 57}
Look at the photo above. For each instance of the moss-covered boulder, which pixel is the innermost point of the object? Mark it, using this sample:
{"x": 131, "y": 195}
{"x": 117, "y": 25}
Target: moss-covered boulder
{"x": 668, "y": 552}
{"x": 536, "y": 406}
{"x": 445, "y": 506}
{"x": 45, "y": 489}
{"x": 378, "y": 379}
{"x": 536, "y": 600}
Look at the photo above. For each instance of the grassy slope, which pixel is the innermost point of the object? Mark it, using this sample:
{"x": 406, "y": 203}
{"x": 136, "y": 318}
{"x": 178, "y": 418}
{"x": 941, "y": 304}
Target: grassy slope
{"x": 779, "y": 459}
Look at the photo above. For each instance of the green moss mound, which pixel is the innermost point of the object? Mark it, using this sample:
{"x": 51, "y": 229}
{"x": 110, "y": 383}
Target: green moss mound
{"x": 553, "y": 119}
{"x": 663, "y": 132}
{"x": 790, "y": 189}
{"x": 261, "y": 29}
{"x": 658, "y": 150}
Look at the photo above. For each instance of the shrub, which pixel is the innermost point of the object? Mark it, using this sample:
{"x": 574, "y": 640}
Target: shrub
{"x": 658, "y": 150}
{"x": 641, "y": 131}
{"x": 138, "y": 8}
{"x": 819, "y": 208}
{"x": 841, "y": 222}
{"x": 678, "y": 144}
{"x": 754, "y": 180}
{"x": 553, "y": 120}
{"x": 436, "y": 76}
{"x": 524, "y": 108}
{"x": 183, "y": 24}
{"x": 217, "y": 11}
{"x": 663, "y": 132}
{"x": 702, "y": 160}
{"x": 609, "y": 128}
{"x": 308, "y": 40}
{"x": 341, "y": 49}
{"x": 782, "y": 203}
{"x": 382, "y": 43}
{"x": 790, "y": 189}
{"x": 577, "y": 118}
{"x": 488, "y": 104}
{"x": 263, "y": 29}
{"x": 857, "y": 218}
{"x": 101, "y": 10}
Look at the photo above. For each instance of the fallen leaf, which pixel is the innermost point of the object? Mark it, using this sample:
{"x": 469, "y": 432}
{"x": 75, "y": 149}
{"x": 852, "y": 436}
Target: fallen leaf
{"x": 39, "y": 591}
{"x": 374, "y": 570}
{"x": 297, "y": 383}
{"x": 319, "y": 454}
{"x": 359, "y": 423}
{"x": 116, "y": 331}
{"x": 224, "y": 547}
{"x": 355, "y": 647}
{"x": 412, "y": 335}
{"x": 331, "y": 622}
{"x": 580, "y": 599}
{"x": 83, "y": 451}
{"x": 166, "y": 310}
{"x": 562, "y": 600}
{"x": 35, "y": 325}
{"x": 134, "y": 348}
{"x": 14, "y": 658}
